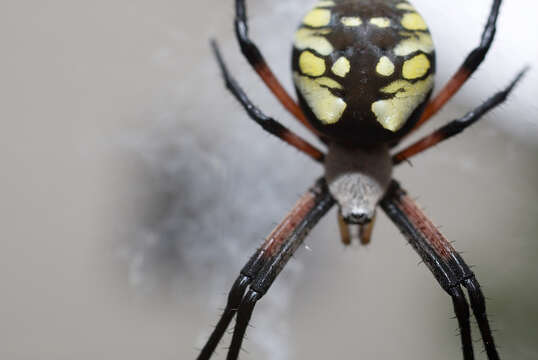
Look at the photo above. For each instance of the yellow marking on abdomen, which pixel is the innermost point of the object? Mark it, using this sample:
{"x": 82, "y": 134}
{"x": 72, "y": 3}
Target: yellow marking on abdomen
{"x": 381, "y": 22}
{"x": 408, "y": 46}
{"x": 393, "y": 113}
{"x": 405, "y": 6}
{"x": 317, "y": 18}
{"x": 313, "y": 39}
{"x": 326, "y": 3}
{"x": 395, "y": 86}
{"x": 413, "y": 21}
{"x": 328, "y": 82}
{"x": 385, "y": 67}
{"x": 416, "y": 67}
{"x": 341, "y": 67}
{"x": 351, "y": 21}
{"x": 310, "y": 64}
{"x": 326, "y": 107}
{"x": 404, "y": 88}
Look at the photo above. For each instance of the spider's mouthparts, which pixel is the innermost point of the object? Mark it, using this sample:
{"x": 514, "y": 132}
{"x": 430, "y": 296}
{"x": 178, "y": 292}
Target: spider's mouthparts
{"x": 358, "y": 218}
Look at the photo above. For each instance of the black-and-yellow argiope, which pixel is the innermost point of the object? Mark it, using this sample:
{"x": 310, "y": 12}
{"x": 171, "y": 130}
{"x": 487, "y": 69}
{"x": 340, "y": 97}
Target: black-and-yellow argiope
{"x": 363, "y": 70}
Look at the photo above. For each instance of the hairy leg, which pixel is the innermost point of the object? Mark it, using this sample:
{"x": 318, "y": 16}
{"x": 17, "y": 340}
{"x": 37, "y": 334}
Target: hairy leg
{"x": 469, "y": 66}
{"x": 257, "y": 61}
{"x": 444, "y": 262}
{"x": 265, "y": 265}
{"x": 456, "y": 126}
{"x": 268, "y": 124}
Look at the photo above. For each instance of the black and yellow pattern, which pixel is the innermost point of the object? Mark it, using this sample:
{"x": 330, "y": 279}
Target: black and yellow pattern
{"x": 363, "y": 69}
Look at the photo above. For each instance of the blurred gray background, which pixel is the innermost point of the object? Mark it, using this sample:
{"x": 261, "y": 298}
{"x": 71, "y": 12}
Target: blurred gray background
{"x": 133, "y": 188}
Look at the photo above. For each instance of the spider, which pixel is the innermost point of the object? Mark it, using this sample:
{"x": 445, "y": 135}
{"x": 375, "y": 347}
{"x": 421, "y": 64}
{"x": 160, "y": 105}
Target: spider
{"x": 364, "y": 74}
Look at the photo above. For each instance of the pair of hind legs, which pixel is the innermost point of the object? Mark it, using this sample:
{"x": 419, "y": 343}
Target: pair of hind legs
{"x": 444, "y": 262}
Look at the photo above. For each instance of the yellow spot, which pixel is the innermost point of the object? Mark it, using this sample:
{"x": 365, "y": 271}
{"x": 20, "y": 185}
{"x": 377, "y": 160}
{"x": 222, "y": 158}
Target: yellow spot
{"x": 413, "y": 21}
{"x": 310, "y": 64}
{"x": 405, "y": 88}
{"x": 313, "y": 39}
{"x": 395, "y": 86}
{"x": 416, "y": 67}
{"x": 393, "y": 113}
{"x": 405, "y": 6}
{"x": 341, "y": 67}
{"x": 325, "y": 3}
{"x": 328, "y": 82}
{"x": 317, "y": 18}
{"x": 381, "y": 22}
{"x": 351, "y": 21}
{"x": 422, "y": 42}
{"x": 385, "y": 67}
{"x": 326, "y": 107}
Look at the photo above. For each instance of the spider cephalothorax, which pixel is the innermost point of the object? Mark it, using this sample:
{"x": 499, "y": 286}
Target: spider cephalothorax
{"x": 363, "y": 70}
{"x": 357, "y": 179}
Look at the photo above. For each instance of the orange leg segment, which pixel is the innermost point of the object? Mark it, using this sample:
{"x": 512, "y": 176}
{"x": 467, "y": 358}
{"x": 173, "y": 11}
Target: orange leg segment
{"x": 444, "y": 95}
{"x": 257, "y": 61}
{"x": 267, "y": 123}
{"x": 469, "y": 66}
{"x": 265, "y": 73}
{"x": 456, "y": 126}
{"x": 446, "y": 264}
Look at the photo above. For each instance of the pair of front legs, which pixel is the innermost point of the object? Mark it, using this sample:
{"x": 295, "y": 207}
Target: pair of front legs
{"x": 447, "y": 266}
{"x": 443, "y": 261}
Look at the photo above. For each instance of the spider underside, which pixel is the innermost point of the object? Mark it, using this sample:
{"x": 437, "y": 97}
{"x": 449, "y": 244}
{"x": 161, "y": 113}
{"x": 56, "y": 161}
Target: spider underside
{"x": 358, "y": 171}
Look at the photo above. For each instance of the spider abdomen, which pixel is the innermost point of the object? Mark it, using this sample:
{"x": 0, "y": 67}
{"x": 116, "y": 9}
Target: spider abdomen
{"x": 363, "y": 69}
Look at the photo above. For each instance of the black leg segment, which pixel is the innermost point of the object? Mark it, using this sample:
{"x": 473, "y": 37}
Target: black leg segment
{"x": 267, "y": 123}
{"x": 475, "y": 58}
{"x": 445, "y": 263}
{"x": 265, "y": 265}
{"x": 469, "y": 66}
{"x": 444, "y": 275}
{"x": 272, "y": 268}
{"x": 476, "y": 298}
{"x": 256, "y": 60}
{"x": 248, "y": 48}
{"x": 234, "y": 299}
{"x": 457, "y": 126}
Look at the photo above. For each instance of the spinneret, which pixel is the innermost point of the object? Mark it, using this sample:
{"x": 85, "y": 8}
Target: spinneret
{"x": 363, "y": 69}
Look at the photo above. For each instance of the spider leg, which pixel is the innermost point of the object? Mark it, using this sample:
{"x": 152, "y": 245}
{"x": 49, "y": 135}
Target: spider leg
{"x": 265, "y": 265}
{"x": 321, "y": 202}
{"x": 234, "y": 299}
{"x": 444, "y": 262}
{"x": 476, "y": 297}
{"x": 456, "y": 126}
{"x": 267, "y": 123}
{"x": 469, "y": 66}
{"x": 257, "y": 61}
